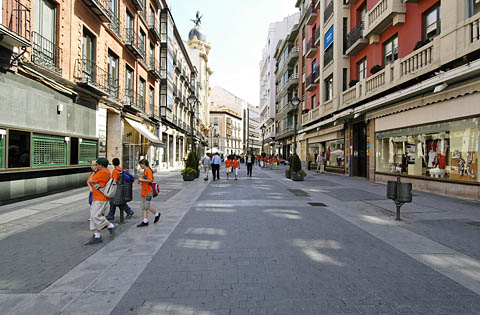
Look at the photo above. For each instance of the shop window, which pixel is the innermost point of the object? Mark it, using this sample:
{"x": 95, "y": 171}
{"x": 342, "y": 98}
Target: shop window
{"x": 88, "y": 151}
{"x": 335, "y": 153}
{"x": 49, "y": 150}
{"x": 362, "y": 69}
{"x": 2, "y": 147}
{"x": 445, "y": 150}
{"x": 390, "y": 50}
{"x": 18, "y": 149}
{"x": 432, "y": 22}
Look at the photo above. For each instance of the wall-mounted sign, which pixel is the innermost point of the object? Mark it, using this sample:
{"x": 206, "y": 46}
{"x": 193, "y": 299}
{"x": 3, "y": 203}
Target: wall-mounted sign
{"x": 328, "y": 39}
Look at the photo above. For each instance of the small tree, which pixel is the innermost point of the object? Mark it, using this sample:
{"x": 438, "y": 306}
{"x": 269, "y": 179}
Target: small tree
{"x": 295, "y": 164}
{"x": 191, "y": 160}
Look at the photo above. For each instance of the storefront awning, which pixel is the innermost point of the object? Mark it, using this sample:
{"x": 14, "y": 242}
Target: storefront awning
{"x": 144, "y": 131}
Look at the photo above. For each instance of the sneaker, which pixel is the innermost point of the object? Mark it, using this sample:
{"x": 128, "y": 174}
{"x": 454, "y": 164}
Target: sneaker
{"x": 94, "y": 240}
{"x": 157, "y": 218}
{"x": 142, "y": 224}
{"x": 112, "y": 231}
{"x": 130, "y": 215}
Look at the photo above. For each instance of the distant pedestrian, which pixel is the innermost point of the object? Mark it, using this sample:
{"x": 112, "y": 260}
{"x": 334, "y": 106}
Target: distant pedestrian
{"x": 117, "y": 172}
{"x": 93, "y": 167}
{"x": 99, "y": 203}
{"x": 320, "y": 162}
{"x": 236, "y": 166}
{"x": 250, "y": 161}
{"x": 216, "y": 162}
{"x": 275, "y": 161}
{"x": 147, "y": 193}
{"x": 206, "y": 162}
{"x": 229, "y": 166}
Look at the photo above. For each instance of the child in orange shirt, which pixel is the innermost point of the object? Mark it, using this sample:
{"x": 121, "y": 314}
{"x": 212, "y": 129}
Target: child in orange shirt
{"x": 236, "y": 166}
{"x": 228, "y": 166}
{"x": 147, "y": 193}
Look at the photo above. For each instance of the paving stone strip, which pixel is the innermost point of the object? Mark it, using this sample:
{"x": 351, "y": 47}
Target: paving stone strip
{"x": 97, "y": 284}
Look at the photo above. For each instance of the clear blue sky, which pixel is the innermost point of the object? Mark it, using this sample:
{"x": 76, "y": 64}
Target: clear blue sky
{"x": 237, "y": 32}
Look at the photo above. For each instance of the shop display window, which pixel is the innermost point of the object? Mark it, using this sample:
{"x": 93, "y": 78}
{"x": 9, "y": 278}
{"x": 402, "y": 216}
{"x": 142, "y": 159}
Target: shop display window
{"x": 335, "y": 153}
{"x": 446, "y": 150}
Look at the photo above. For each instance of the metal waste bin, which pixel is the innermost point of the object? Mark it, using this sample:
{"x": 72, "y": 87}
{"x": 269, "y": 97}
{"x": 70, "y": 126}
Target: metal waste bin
{"x": 392, "y": 189}
{"x": 400, "y": 193}
{"x": 404, "y": 192}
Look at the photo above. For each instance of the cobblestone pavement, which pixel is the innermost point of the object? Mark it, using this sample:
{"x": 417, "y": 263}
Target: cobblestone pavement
{"x": 261, "y": 245}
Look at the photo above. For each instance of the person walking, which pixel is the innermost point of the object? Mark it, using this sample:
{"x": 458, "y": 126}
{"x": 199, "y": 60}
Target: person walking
{"x": 147, "y": 193}
{"x": 236, "y": 166}
{"x": 320, "y": 162}
{"x": 229, "y": 166}
{"x": 99, "y": 203}
{"x": 117, "y": 172}
{"x": 275, "y": 161}
{"x": 93, "y": 167}
{"x": 216, "y": 162}
{"x": 250, "y": 161}
{"x": 206, "y": 162}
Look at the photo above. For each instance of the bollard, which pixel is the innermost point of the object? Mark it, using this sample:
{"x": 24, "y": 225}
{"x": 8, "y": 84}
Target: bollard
{"x": 400, "y": 193}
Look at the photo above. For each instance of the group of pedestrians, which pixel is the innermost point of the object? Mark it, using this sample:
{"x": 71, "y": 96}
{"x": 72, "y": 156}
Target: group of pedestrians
{"x": 97, "y": 180}
{"x": 232, "y": 165}
{"x": 268, "y": 161}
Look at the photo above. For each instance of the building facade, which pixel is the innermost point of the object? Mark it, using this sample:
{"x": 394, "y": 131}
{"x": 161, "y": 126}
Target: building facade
{"x": 394, "y": 92}
{"x": 276, "y": 32}
{"x": 226, "y": 134}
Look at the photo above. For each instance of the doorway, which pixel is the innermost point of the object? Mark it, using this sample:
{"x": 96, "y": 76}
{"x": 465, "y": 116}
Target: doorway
{"x": 359, "y": 165}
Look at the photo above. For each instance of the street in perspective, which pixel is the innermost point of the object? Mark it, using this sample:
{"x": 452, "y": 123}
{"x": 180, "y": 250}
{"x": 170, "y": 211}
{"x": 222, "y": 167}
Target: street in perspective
{"x": 254, "y": 157}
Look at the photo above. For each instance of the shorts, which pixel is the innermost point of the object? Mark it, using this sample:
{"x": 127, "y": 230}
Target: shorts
{"x": 229, "y": 169}
{"x": 146, "y": 201}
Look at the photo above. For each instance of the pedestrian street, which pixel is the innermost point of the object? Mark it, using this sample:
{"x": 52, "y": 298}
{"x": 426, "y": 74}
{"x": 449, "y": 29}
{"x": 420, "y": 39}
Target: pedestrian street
{"x": 259, "y": 245}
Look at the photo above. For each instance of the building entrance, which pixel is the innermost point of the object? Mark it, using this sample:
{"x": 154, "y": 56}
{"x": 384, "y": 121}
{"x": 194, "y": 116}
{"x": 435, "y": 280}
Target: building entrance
{"x": 359, "y": 165}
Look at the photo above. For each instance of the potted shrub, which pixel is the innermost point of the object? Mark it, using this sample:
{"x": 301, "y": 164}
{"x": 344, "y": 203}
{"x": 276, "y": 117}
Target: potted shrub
{"x": 421, "y": 43}
{"x": 297, "y": 173}
{"x": 352, "y": 83}
{"x": 192, "y": 165}
{"x": 375, "y": 69}
{"x": 189, "y": 174}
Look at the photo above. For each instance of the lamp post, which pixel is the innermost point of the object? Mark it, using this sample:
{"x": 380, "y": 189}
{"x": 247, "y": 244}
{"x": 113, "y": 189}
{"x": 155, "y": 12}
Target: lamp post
{"x": 192, "y": 99}
{"x": 295, "y": 102}
{"x": 263, "y": 139}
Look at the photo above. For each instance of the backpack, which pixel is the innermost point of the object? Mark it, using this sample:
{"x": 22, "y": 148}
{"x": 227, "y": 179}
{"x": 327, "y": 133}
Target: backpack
{"x": 155, "y": 189}
{"x": 127, "y": 177}
{"x": 110, "y": 188}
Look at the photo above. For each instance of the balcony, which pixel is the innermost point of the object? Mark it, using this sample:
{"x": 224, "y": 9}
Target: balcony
{"x": 100, "y": 9}
{"x": 134, "y": 100}
{"x": 311, "y": 48}
{"x": 113, "y": 87}
{"x": 384, "y": 14}
{"x": 14, "y": 24}
{"x": 312, "y": 115}
{"x": 133, "y": 43}
{"x": 317, "y": 36}
{"x": 311, "y": 14}
{"x": 153, "y": 27}
{"x": 310, "y": 83}
{"x": 46, "y": 54}
{"x": 154, "y": 68}
{"x": 355, "y": 40}
{"x": 92, "y": 77}
{"x": 284, "y": 109}
{"x": 285, "y": 132}
{"x": 114, "y": 25}
{"x": 327, "y": 13}
{"x": 139, "y": 5}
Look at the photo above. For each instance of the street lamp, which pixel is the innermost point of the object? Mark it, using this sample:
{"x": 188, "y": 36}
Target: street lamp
{"x": 192, "y": 99}
{"x": 263, "y": 140}
{"x": 295, "y": 102}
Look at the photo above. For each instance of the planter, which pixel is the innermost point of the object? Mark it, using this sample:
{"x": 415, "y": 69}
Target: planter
{"x": 189, "y": 177}
{"x": 297, "y": 176}
{"x": 287, "y": 173}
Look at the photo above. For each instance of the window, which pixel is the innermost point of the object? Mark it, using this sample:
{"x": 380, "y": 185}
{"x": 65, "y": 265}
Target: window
{"x": 314, "y": 101}
{"x": 141, "y": 93}
{"x": 112, "y": 74}
{"x": 113, "y": 6}
{"x": 390, "y": 50}
{"x": 88, "y": 151}
{"x": 143, "y": 41}
{"x": 362, "y": 69}
{"x": 329, "y": 88}
{"x": 88, "y": 51}
{"x": 151, "y": 96}
{"x": 152, "y": 17}
{"x": 45, "y": 21}
{"x": 129, "y": 23}
{"x": 3, "y": 133}
{"x": 474, "y": 7}
{"x": 432, "y": 22}
{"x": 314, "y": 65}
{"x": 128, "y": 85}
{"x": 215, "y": 121}
{"x": 152, "y": 55}
{"x": 49, "y": 150}
{"x": 18, "y": 149}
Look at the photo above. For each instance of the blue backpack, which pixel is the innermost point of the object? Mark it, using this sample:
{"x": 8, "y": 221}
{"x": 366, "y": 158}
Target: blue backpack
{"x": 127, "y": 177}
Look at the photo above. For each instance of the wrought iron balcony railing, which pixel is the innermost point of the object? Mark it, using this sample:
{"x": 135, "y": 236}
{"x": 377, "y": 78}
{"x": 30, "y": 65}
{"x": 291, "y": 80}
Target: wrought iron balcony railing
{"x": 154, "y": 67}
{"x": 328, "y": 56}
{"x": 355, "y": 37}
{"x": 113, "y": 87}
{"x": 134, "y": 44}
{"x": 153, "y": 26}
{"x": 134, "y": 100}
{"x": 100, "y": 8}
{"x": 114, "y": 24}
{"x": 46, "y": 54}
{"x": 328, "y": 12}
{"x": 15, "y": 20}
{"x": 93, "y": 77}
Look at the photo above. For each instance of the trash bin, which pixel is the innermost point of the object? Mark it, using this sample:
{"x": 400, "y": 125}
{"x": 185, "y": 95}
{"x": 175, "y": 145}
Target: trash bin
{"x": 404, "y": 192}
{"x": 392, "y": 189}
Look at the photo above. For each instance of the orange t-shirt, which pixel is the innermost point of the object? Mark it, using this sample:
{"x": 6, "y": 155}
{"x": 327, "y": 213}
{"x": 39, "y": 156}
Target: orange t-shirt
{"x": 147, "y": 187}
{"x": 90, "y": 176}
{"x": 228, "y": 163}
{"x": 101, "y": 177}
{"x": 116, "y": 173}
{"x": 236, "y": 164}
{"x": 275, "y": 160}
